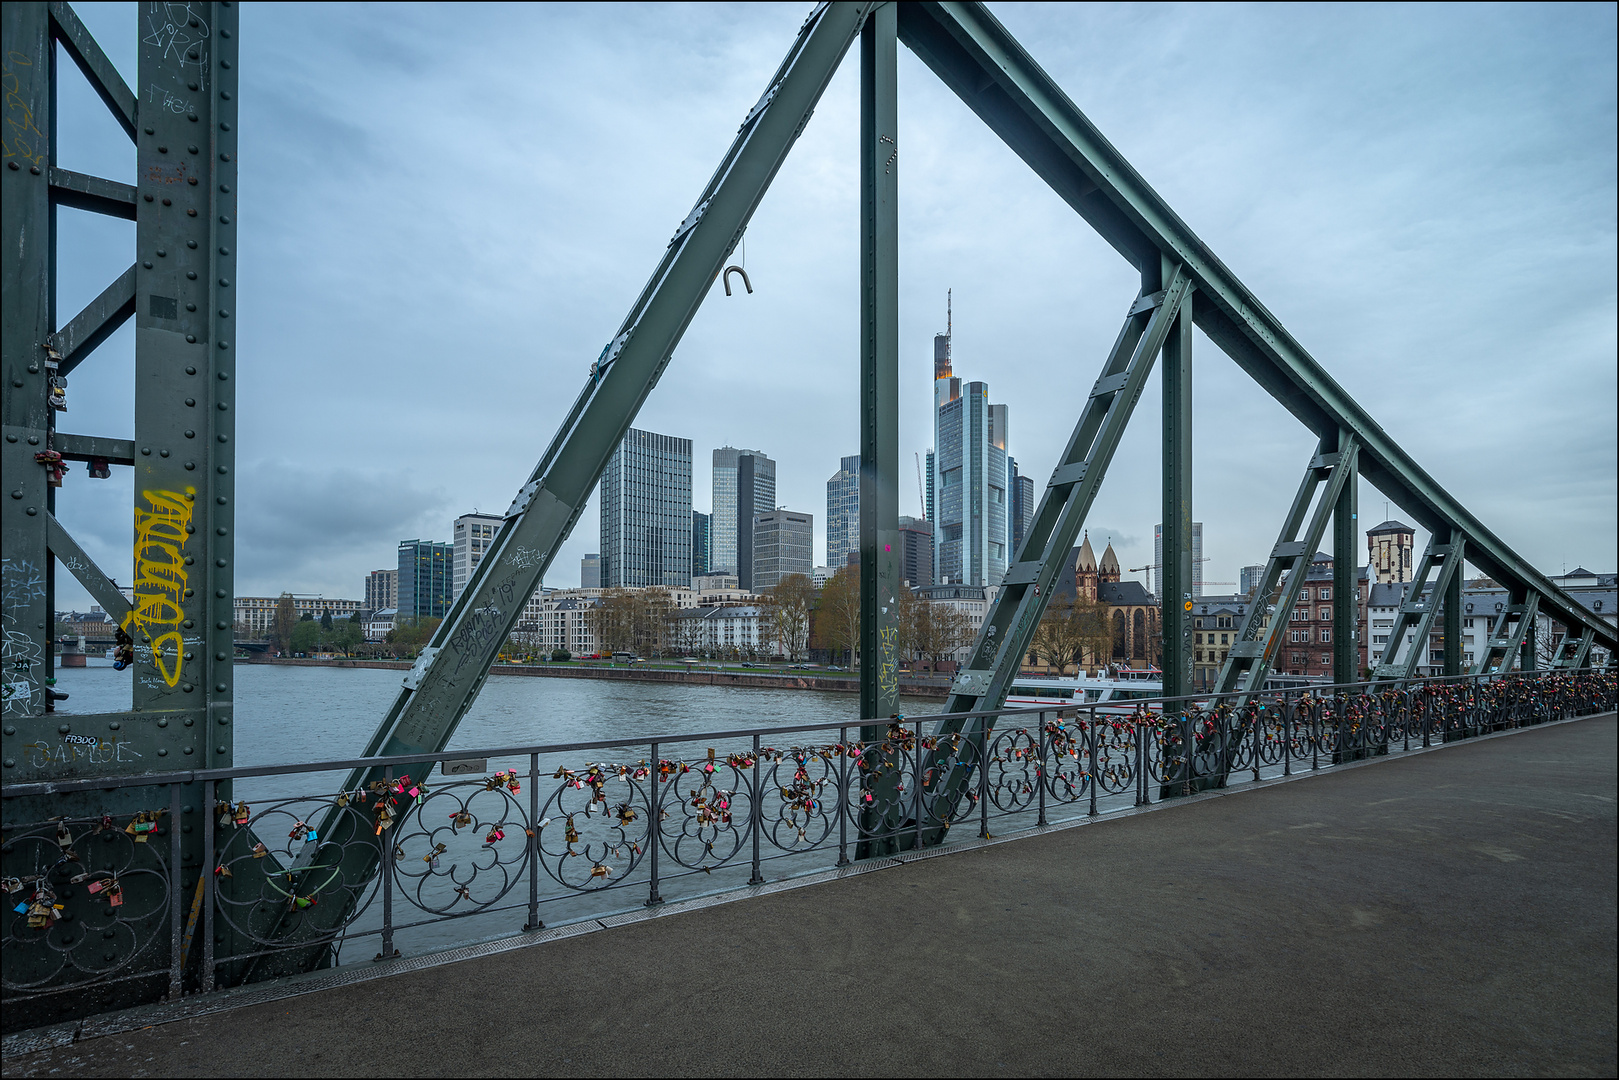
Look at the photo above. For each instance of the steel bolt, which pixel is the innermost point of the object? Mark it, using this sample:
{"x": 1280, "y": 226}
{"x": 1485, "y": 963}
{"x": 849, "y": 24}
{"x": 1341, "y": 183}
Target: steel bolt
{"x": 32, "y": 512}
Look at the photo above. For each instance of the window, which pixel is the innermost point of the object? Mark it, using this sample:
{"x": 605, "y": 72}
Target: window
{"x": 1199, "y": 638}
{"x": 1326, "y": 636}
{"x": 1225, "y": 639}
{"x": 1223, "y": 622}
{"x": 1324, "y": 614}
{"x": 1300, "y": 636}
{"x": 1300, "y": 615}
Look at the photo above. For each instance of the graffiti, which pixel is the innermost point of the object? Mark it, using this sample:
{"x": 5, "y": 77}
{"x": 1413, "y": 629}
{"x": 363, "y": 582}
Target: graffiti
{"x": 22, "y": 137}
{"x": 21, "y": 584}
{"x": 523, "y": 558}
{"x": 179, "y": 30}
{"x": 482, "y": 626}
{"x": 160, "y": 578}
{"x": 888, "y": 663}
{"x": 168, "y": 102}
{"x": 80, "y": 750}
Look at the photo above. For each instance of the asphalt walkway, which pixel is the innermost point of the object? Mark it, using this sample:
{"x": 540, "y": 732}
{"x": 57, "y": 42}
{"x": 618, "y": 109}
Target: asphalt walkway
{"x": 1450, "y": 913}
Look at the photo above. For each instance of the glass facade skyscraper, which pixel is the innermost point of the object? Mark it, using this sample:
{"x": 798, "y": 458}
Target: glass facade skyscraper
{"x": 968, "y": 484}
{"x": 744, "y": 486}
{"x": 843, "y": 513}
{"x": 782, "y": 545}
{"x": 426, "y": 579}
{"x": 646, "y": 512}
{"x": 702, "y": 538}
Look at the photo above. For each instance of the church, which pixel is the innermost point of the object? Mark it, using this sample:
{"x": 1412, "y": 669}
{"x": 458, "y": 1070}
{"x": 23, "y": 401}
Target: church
{"x": 1133, "y": 613}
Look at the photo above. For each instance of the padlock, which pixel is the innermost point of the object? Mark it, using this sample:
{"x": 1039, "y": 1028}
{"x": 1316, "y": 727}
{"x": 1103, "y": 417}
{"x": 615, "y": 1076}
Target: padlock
{"x": 243, "y": 814}
{"x": 461, "y": 818}
{"x": 260, "y": 851}
{"x": 570, "y": 834}
{"x": 225, "y": 818}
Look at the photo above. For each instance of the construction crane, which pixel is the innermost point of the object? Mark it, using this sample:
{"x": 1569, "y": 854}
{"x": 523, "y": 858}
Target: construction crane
{"x": 1159, "y": 566}
{"x": 921, "y": 491}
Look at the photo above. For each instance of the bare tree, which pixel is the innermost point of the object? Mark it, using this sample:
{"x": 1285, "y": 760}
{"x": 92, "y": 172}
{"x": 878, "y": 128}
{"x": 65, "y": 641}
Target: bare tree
{"x": 787, "y": 607}
{"x": 838, "y": 615}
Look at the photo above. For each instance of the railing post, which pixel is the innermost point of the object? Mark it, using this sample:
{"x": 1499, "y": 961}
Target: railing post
{"x": 176, "y": 898}
{"x": 534, "y": 922}
{"x": 1138, "y": 742}
{"x": 654, "y": 832}
{"x": 1093, "y": 760}
{"x": 843, "y": 797}
{"x": 1253, "y": 738}
{"x": 916, "y": 817}
{"x": 1287, "y": 737}
{"x": 210, "y": 884}
{"x": 385, "y": 853}
{"x": 756, "y": 812}
{"x": 1040, "y": 771}
{"x": 983, "y": 782}
{"x": 1315, "y": 734}
{"x": 1426, "y": 726}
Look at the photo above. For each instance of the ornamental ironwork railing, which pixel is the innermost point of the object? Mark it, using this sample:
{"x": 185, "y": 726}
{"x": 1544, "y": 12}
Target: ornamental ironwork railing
{"x": 569, "y": 832}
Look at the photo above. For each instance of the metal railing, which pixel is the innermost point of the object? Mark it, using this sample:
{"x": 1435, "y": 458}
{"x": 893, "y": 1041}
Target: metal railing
{"x": 586, "y": 830}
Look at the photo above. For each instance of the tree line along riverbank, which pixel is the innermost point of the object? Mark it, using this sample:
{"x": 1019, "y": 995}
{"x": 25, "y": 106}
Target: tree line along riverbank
{"x": 721, "y": 676}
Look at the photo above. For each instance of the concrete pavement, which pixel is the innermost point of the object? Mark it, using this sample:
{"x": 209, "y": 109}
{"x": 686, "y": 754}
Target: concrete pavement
{"x": 1450, "y": 913}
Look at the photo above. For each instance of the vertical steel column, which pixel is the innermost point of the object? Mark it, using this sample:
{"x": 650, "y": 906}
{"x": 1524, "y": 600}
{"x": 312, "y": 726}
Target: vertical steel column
{"x": 27, "y": 298}
{"x": 879, "y": 370}
{"x": 1345, "y": 576}
{"x": 185, "y": 369}
{"x": 1453, "y": 620}
{"x": 1176, "y": 571}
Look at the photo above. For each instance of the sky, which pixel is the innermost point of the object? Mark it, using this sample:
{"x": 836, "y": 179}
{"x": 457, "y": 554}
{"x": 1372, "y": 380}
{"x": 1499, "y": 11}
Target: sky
{"x": 443, "y": 219}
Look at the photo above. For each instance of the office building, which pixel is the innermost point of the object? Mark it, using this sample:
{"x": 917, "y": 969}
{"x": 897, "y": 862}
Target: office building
{"x": 1250, "y": 578}
{"x": 843, "y": 512}
{"x": 970, "y": 499}
{"x": 1021, "y": 516}
{"x": 645, "y": 494}
{"x": 590, "y": 572}
{"x": 382, "y": 589}
{"x": 916, "y": 552}
{"x": 473, "y": 536}
{"x": 744, "y": 486}
{"x": 1158, "y": 560}
{"x": 783, "y": 543}
{"x": 702, "y": 538}
{"x": 927, "y": 488}
{"x": 426, "y": 579}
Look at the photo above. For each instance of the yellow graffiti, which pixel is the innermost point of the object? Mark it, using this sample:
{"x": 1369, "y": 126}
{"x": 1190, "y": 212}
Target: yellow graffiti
{"x": 160, "y": 577}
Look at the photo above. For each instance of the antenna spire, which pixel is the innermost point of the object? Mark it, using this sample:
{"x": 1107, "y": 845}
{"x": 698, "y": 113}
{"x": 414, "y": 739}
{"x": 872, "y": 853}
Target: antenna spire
{"x": 947, "y": 293}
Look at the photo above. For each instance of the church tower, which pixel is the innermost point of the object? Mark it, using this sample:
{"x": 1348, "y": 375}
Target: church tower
{"x": 1085, "y": 570}
{"x": 1108, "y": 571}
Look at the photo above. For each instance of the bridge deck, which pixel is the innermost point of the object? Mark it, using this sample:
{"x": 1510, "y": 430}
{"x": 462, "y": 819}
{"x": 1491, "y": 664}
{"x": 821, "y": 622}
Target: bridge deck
{"x": 1449, "y": 913}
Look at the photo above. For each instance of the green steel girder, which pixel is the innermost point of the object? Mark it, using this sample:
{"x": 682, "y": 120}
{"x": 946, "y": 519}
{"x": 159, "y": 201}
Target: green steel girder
{"x": 1253, "y": 655}
{"x": 1501, "y": 651}
{"x": 1003, "y": 640}
{"x": 1176, "y": 569}
{"x": 1445, "y": 554}
{"x": 1346, "y": 537}
{"x": 977, "y": 58}
{"x": 1582, "y": 654}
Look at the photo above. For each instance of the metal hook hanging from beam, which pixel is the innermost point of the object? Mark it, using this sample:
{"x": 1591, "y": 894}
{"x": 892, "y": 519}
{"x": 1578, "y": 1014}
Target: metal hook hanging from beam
{"x": 734, "y": 269}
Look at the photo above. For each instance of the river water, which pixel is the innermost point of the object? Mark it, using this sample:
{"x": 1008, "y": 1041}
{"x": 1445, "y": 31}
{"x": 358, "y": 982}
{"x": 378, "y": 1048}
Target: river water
{"x": 292, "y": 715}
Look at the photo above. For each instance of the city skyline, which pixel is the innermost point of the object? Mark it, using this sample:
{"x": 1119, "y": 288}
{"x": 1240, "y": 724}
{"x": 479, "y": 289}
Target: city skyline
{"x": 1511, "y": 122}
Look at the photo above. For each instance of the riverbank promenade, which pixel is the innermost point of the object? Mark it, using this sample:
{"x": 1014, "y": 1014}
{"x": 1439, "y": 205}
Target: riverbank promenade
{"x": 1452, "y": 912}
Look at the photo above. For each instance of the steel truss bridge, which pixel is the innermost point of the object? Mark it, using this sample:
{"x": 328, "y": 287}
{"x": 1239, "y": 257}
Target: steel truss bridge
{"x": 180, "y": 291}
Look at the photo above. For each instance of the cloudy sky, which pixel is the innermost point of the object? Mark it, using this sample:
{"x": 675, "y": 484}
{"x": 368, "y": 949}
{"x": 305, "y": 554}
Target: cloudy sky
{"x": 443, "y": 219}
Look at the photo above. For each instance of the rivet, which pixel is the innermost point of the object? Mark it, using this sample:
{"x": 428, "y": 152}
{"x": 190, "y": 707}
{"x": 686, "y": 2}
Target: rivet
{"x": 164, "y": 752}
{"x": 32, "y": 512}
{"x": 193, "y": 118}
{"x": 162, "y": 723}
{"x": 223, "y": 314}
{"x": 220, "y": 687}
{"x": 224, "y": 344}
{"x": 34, "y": 169}
{"x": 148, "y": 198}
{"x": 146, "y": 451}
{"x": 10, "y": 762}
{"x": 14, "y": 165}
{"x": 190, "y": 560}
{"x": 221, "y": 594}
{"x": 224, "y": 251}
{"x": 223, "y": 407}
{"x": 33, "y": 440}
{"x": 191, "y": 401}
{"x": 225, "y": 282}
{"x": 16, "y": 382}
{"x": 162, "y": 453}
{"x": 220, "y": 499}
{"x": 219, "y": 563}
{"x": 191, "y": 371}
{"x": 10, "y": 730}
{"x": 162, "y": 149}
{"x": 192, "y": 180}
{"x": 224, "y": 157}
{"x": 191, "y": 339}
{"x": 148, "y": 131}
{"x": 220, "y": 656}
{"x": 224, "y": 220}
{"x": 190, "y": 434}
{"x": 190, "y": 465}
{"x": 191, "y": 85}
{"x": 225, "y": 188}
{"x": 17, "y": 494}
{"x": 11, "y": 438}
{"x": 115, "y": 725}
{"x": 63, "y": 728}
{"x": 147, "y": 263}
{"x": 225, "y": 94}
{"x": 221, "y": 531}
{"x": 191, "y": 307}
{"x": 223, "y": 470}
{"x": 190, "y": 244}
{"x": 188, "y": 624}
{"x": 191, "y": 275}
{"x": 225, "y": 64}
{"x": 192, "y": 213}
{"x": 188, "y": 749}
{"x": 167, "y": 202}
{"x": 222, "y": 438}
{"x": 162, "y": 252}
{"x": 219, "y": 749}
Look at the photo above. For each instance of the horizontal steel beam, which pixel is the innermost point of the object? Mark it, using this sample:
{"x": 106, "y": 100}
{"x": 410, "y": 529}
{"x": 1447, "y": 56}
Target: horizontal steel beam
{"x": 93, "y": 193}
{"x": 977, "y": 58}
{"x": 91, "y": 447}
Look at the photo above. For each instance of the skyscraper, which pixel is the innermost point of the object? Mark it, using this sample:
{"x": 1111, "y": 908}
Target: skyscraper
{"x": 916, "y": 551}
{"x": 843, "y": 512}
{"x": 590, "y": 572}
{"x": 744, "y": 486}
{"x": 426, "y": 580}
{"x": 702, "y": 540}
{"x": 970, "y": 500}
{"x": 1021, "y": 490}
{"x": 782, "y": 544}
{"x": 646, "y": 512}
{"x": 1158, "y": 560}
{"x": 473, "y": 535}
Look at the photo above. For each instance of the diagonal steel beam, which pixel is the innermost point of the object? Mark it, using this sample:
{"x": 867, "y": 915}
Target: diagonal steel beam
{"x": 1253, "y": 655}
{"x": 92, "y": 61}
{"x": 976, "y": 57}
{"x": 1582, "y": 652}
{"x": 93, "y": 193}
{"x": 1443, "y": 558}
{"x": 1004, "y": 637}
{"x": 1504, "y": 644}
{"x": 95, "y": 324}
{"x": 71, "y": 555}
